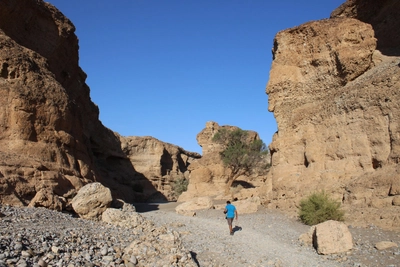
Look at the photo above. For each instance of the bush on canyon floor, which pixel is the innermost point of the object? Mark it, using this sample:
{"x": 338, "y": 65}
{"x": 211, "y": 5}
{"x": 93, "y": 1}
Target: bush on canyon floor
{"x": 318, "y": 208}
{"x": 179, "y": 186}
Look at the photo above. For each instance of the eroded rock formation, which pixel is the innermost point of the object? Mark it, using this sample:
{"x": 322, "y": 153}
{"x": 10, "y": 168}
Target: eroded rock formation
{"x": 51, "y": 140}
{"x": 333, "y": 89}
{"x": 159, "y": 164}
{"x": 208, "y": 175}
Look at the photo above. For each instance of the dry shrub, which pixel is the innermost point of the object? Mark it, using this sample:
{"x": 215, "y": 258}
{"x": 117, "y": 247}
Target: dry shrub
{"x": 318, "y": 208}
{"x": 179, "y": 186}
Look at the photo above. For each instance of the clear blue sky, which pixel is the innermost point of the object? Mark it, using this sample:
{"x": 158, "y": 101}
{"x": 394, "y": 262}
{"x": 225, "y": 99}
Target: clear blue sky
{"x": 163, "y": 68}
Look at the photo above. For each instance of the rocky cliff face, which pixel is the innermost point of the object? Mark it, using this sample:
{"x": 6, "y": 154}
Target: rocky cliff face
{"x": 333, "y": 89}
{"x": 51, "y": 140}
{"x": 381, "y": 15}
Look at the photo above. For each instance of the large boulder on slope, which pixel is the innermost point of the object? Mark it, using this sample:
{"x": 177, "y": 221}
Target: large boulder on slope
{"x": 92, "y": 200}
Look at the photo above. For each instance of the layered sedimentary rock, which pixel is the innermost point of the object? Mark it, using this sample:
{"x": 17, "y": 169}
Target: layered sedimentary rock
{"x": 51, "y": 140}
{"x": 333, "y": 89}
{"x": 208, "y": 175}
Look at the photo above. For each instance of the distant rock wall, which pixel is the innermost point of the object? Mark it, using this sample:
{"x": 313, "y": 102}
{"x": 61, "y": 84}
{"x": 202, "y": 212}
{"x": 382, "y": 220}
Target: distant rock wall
{"x": 159, "y": 165}
{"x": 333, "y": 89}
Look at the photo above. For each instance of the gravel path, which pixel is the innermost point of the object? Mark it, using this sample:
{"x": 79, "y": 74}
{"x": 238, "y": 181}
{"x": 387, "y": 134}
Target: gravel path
{"x": 267, "y": 238}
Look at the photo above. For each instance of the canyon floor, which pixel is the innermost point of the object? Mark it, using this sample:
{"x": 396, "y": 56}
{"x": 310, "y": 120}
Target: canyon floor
{"x": 41, "y": 237}
{"x": 266, "y": 238}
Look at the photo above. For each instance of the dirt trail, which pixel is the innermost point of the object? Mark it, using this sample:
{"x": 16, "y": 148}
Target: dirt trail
{"x": 267, "y": 238}
{"x": 261, "y": 239}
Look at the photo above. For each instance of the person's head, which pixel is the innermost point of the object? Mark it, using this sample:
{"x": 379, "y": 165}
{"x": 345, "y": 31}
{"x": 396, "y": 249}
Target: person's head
{"x": 228, "y": 202}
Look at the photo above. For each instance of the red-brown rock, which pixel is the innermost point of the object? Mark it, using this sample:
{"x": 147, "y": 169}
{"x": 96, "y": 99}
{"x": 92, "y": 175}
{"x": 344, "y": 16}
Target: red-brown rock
{"x": 51, "y": 139}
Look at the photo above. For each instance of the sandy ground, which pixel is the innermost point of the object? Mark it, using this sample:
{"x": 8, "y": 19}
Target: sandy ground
{"x": 265, "y": 238}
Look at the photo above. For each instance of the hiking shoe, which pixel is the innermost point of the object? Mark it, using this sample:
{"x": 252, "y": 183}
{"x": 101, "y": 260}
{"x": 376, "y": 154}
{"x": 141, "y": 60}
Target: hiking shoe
{"x": 231, "y": 233}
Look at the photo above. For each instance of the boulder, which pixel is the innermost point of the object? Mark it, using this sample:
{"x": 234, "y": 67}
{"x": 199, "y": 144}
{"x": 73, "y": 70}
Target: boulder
{"x": 125, "y": 217}
{"x": 385, "y": 245}
{"x": 395, "y": 188}
{"x": 332, "y": 237}
{"x": 396, "y": 200}
{"x": 189, "y": 207}
{"x": 308, "y": 238}
{"x": 47, "y": 199}
{"x": 92, "y": 200}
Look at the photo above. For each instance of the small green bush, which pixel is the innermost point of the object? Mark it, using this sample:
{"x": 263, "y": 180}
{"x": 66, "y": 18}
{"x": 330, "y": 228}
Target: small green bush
{"x": 179, "y": 186}
{"x": 318, "y": 208}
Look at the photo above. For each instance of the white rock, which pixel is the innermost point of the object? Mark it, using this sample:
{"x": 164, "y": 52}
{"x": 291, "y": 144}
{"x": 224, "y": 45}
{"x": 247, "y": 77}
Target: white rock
{"x": 92, "y": 200}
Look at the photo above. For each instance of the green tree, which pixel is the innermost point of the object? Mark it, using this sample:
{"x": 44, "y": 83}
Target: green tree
{"x": 240, "y": 154}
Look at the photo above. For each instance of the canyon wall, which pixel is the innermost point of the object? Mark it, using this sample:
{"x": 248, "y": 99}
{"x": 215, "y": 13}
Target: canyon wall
{"x": 51, "y": 139}
{"x": 333, "y": 90}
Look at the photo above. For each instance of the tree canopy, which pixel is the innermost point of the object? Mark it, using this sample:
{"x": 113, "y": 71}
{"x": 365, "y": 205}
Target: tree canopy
{"x": 240, "y": 154}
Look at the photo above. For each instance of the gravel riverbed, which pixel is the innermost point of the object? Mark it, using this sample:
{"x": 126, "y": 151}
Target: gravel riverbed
{"x": 41, "y": 237}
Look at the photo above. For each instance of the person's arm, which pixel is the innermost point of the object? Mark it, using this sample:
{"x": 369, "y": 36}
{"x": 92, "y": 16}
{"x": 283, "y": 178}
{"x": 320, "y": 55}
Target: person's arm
{"x": 236, "y": 213}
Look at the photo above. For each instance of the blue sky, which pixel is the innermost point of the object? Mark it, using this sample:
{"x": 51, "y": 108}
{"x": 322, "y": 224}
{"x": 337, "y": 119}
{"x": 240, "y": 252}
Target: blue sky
{"x": 163, "y": 68}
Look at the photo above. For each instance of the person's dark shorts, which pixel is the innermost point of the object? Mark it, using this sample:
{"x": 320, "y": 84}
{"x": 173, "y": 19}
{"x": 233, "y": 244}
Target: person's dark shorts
{"x": 230, "y": 220}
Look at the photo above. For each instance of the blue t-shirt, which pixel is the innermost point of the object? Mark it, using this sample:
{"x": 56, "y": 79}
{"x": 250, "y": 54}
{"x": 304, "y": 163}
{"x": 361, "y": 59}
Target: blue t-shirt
{"x": 231, "y": 211}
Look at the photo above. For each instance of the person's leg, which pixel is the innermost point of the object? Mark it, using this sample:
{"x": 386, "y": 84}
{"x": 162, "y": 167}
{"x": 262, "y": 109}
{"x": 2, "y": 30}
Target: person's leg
{"x": 230, "y": 224}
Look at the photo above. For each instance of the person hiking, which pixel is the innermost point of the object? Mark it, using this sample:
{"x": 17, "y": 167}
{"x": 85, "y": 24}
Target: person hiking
{"x": 231, "y": 212}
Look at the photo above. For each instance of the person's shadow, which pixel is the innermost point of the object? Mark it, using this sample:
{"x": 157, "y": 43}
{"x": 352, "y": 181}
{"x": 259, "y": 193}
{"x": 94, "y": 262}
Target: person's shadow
{"x": 236, "y": 228}
{"x": 194, "y": 254}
